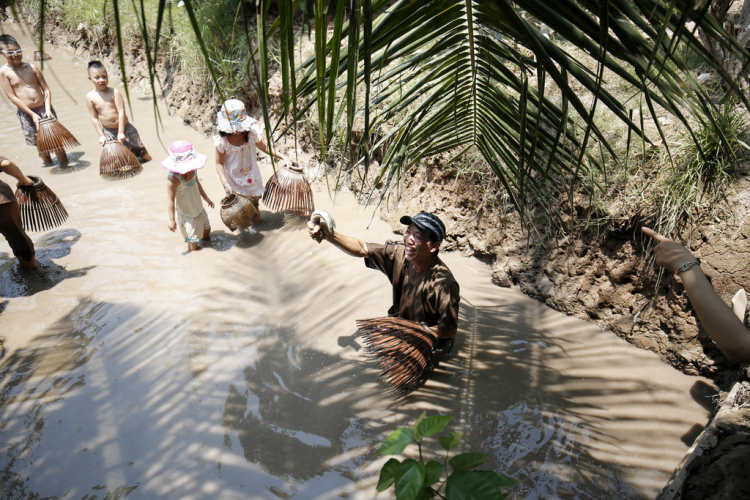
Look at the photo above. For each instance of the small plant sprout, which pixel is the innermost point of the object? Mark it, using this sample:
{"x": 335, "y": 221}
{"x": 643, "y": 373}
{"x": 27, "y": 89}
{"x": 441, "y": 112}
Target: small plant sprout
{"x": 417, "y": 480}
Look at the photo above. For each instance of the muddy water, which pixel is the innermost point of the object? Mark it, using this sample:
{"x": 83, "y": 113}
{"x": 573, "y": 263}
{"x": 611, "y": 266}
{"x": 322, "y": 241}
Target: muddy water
{"x": 133, "y": 368}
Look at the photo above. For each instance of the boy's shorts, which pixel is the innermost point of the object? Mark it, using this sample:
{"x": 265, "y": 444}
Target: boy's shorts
{"x": 27, "y": 123}
{"x": 132, "y": 139}
{"x": 193, "y": 228}
{"x": 12, "y": 228}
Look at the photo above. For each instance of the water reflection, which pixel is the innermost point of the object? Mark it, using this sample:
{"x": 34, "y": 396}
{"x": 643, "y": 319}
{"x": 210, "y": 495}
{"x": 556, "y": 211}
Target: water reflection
{"x": 291, "y": 416}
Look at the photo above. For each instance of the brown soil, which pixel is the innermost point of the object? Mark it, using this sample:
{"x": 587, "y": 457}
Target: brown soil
{"x": 605, "y": 274}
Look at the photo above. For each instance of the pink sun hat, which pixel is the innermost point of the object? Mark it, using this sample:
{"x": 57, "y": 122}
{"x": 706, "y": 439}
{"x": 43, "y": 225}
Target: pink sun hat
{"x": 183, "y": 158}
{"x": 232, "y": 117}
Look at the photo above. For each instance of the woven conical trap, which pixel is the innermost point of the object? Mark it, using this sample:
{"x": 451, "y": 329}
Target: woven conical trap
{"x": 53, "y": 136}
{"x": 118, "y": 162}
{"x": 288, "y": 191}
{"x": 402, "y": 350}
{"x": 41, "y": 209}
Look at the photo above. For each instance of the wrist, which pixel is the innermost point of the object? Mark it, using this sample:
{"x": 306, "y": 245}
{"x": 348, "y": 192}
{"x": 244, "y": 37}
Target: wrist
{"x": 687, "y": 265}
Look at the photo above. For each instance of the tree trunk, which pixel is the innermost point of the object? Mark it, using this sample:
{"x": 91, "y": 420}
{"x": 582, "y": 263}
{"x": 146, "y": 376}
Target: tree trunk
{"x": 737, "y": 25}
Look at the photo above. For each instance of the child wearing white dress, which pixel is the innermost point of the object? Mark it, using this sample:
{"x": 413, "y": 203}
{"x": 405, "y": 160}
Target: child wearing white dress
{"x": 236, "y": 158}
{"x": 185, "y": 191}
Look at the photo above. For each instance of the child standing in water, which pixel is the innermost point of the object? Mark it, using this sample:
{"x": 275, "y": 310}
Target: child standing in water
{"x": 185, "y": 191}
{"x": 107, "y": 110}
{"x": 236, "y": 159}
{"x": 25, "y": 86}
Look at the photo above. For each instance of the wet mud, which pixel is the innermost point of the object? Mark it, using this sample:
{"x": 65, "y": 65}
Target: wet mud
{"x": 135, "y": 369}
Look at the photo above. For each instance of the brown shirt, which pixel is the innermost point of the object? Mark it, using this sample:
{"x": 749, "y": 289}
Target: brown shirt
{"x": 431, "y": 296}
{"x": 6, "y": 192}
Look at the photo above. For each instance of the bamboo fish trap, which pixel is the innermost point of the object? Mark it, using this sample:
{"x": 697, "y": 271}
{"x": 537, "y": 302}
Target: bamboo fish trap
{"x": 41, "y": 209}
{"x": 237, "y": 211}
{"x": 288, "y": 191}
{"x": 401, "y": 348}
{"x": 53, "y": 136}
{"x": 118, "y": 161}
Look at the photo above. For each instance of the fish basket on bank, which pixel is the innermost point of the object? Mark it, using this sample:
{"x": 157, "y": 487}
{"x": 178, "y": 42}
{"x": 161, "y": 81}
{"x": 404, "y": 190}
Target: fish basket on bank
{"x": 53, "y": 136}
{"x": 237, "y": 211}
{"x": 118, "y": 162}
{"x": 41, "y": 209}
{"x": 402, "y": 350}
{"x": 289, "y": 192}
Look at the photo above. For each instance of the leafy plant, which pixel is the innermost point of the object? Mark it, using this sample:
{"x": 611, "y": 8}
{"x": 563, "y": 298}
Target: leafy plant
{"x": 704, "y": 167}
{"x": 417, "y": 480}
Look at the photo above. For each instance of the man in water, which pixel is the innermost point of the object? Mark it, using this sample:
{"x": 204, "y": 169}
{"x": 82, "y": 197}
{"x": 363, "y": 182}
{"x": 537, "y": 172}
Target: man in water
{"x": 11, "y": 225}
{"x": 424, "y": 289}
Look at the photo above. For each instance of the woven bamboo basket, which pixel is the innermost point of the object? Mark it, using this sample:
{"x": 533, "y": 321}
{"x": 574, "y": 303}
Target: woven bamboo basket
{"x": 289, "y": 192}
{"x": 402, "y": 349}
{"x": 237, "y": 211}
{"x": 41, "y": 209}
{"x": 53, "y": 136}
{"x": 118, "y": 161}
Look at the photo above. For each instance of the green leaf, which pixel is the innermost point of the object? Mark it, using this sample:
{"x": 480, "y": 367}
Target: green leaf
{"x": 434, "y": 471}
{"x": 433, "y": 425}
{"x": 426, "y": 493}
{"x": 450, "y": 440}
{"x": 410, "y": 476}
{"x": 474, "y": 485}
{"x": 468, "y": 460}
{"x": 388, "y": 474}
{"x": 413, "y": 427}
{"x": 396, "y": 442}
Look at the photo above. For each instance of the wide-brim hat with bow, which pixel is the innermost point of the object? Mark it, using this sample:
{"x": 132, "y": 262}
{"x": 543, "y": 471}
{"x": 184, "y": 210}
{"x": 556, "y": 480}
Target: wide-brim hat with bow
{"x": 232, "y": 117}
{"x": 183, "y": 158}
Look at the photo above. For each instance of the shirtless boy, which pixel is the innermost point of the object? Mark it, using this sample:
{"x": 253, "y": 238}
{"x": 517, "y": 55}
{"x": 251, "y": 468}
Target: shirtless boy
{"x": 107, "y": 110}
{"x": 25, "y": 86}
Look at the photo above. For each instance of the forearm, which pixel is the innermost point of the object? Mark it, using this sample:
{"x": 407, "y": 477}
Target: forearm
{"x": 171, "y": 210}
{"x": 262, "y": 146}
{"x": 724, "y": 328}
{"x": 201, "y": 191}
{"x": 348, "y": 244}
{"x": 122, "y": 121}
{"x": 222, "y": 175}
{"x": 21, "y": 105}
{"x": 97, "y": 126}
{"x": 12, "y": 169}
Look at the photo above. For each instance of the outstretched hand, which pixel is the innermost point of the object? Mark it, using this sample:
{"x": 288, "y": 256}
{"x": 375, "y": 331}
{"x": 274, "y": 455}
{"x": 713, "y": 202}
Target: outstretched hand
{"x": 668, "y": 253}
{"x": 316, "y": 231}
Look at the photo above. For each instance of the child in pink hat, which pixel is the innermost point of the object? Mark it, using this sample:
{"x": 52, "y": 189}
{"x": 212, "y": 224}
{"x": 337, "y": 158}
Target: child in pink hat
{"x": 236, "y": 159}
{"x": 185, "y": 191}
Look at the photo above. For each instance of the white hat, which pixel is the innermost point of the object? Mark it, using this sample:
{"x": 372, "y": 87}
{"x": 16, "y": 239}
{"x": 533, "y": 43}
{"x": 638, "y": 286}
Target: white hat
{"x": 183, "y": 158}
{"x": 232, "y": 117}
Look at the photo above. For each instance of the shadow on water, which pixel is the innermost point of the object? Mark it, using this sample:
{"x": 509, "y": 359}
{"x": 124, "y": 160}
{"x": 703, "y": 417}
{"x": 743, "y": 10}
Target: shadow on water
{"x": 75, "y": 164}
{"x": 18, "y": 282}
{"x": 257, "y": 391}
{"x": 303, "y": 412}
{"x": 52, "y": 373}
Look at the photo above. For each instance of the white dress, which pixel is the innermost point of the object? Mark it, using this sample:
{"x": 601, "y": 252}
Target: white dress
{"x": 241, "y": 165}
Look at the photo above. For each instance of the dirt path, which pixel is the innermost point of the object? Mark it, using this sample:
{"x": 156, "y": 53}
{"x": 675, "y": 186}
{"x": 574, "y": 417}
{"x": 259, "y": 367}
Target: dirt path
{"x": 235, "y": 372}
